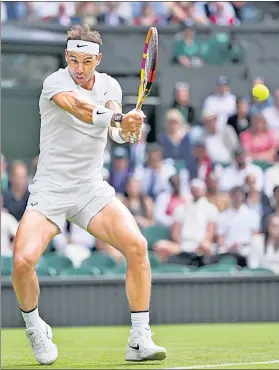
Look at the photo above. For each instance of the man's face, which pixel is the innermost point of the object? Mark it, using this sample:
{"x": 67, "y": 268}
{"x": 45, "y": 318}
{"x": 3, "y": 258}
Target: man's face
{"x": 121, "y": 163}
{"x": 223, "y": 88}
{"x": 19, "y": 176}
{"x": 197, "y": 192}
{"x": 240, "y": 159}
{"x": 155, "y": 159}
{"x": 82, "y": 66}
{"x": 237, "y": 198}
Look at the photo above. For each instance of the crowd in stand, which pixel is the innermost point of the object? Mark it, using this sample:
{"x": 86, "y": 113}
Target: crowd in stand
{"x": 133, "y": 13}
{"x": 213, "y": 181}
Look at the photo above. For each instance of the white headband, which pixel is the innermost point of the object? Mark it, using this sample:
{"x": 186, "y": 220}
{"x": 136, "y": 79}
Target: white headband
{"x": 83, "y": 46}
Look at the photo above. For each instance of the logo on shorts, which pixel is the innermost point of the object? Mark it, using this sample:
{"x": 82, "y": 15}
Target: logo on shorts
{"x": 80, "y": 46}
{"x": 34, "y": 204}
{"x": 100, "y": 112}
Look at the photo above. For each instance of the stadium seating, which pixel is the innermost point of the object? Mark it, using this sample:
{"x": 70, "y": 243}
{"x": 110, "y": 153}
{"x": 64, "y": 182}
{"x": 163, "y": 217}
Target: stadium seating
{"x": 55, "y": 262}
{"x": 6, "y": 266}
{"x": 100, "y": 261}
{"x": 155, "y": 233}
{"x": 257, "y": 271}
{"x": 171, "y": 269}
{"x": 82, "y": 271}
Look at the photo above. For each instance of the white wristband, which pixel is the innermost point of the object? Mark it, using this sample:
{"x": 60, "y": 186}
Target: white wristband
{"x": 101, "y": 116}
{"x": 115, "y": 135}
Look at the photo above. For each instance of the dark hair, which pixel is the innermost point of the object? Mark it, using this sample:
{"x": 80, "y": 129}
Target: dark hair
{"x": 84, "y": 33}
{"x": 266, "y": 232}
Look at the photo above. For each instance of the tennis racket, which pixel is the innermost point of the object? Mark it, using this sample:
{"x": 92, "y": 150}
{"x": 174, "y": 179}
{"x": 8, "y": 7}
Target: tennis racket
{"x": 148, "y": 68}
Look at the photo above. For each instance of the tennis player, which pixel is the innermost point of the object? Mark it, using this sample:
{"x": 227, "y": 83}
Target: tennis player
{"x": 78, "y": 108}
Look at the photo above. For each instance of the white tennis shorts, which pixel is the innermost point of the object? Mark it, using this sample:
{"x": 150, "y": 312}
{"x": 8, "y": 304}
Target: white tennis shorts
{"x": 77, "y": 205}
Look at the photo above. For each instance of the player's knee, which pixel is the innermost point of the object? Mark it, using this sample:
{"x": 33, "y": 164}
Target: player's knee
{"x": 23, "y": 262}
{"x": 138, "y": 249}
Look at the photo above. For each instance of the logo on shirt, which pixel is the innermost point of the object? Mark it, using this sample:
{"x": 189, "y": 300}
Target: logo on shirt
{"x": 80, "y": 46}
{"x": 100, "y": 112}
{"x": 34, "y": 204}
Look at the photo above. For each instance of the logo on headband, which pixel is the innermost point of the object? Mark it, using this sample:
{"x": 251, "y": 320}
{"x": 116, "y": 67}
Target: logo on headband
{"x": 81, "y": 46}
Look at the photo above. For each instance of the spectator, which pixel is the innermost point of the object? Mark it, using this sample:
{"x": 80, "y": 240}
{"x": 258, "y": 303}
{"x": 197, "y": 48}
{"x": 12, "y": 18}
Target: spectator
{"x": 111, "y": 16}
{"x": 15, "y": 199}
{"x": 203, "y": 165}
{"x": 223, "y": 102}
{"x": 236, "y": 227}
{"x": 257, "y": 106}
{"x": 167, "y": 202}
{"x": 4, "y": 15}
{"x": 187, "y": 11}
{"x": 271, "y": 114}
{"x": 273, "y": 208}
{"x": 137, "y": 151}
{"x": 140, "y": 205}
{"x": 196, "y": 215}
{"x": 255, "y": 199}
{"x": 220, "y": 200}
{"x": 175, "y": 142}
{"x": 246, "y": 11}
{"x": 147, "y": 17}
{"x": 259, "y": 142}
{"x": 155, "y": 177}
{"x": 241, "y": 120}
{"x": 9, "y": 227}
{"x": 49, "y": 10}
{"x": 159, "y": 8}
{"x": 236, "y": 174}
{"x": 187, "y": 48}
{"x": 182, "y": 102}
{"x": 119, "y": 172}
{"x": 265, "y": 250}
{"x": 220, "y": 144}
{"x": 4, "y": 174}
{"x": 89, "y": 12}
{"x": 222, "y": 13}
{"x": 271, "y": 177}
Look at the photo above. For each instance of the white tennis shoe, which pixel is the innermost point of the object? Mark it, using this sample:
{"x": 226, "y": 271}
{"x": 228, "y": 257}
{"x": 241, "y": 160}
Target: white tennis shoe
{"x": 142, "y": 348}
{"x": 45, "y": 350}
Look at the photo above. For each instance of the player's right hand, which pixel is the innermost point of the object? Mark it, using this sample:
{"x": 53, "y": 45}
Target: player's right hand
{"x": 132, "y": 121}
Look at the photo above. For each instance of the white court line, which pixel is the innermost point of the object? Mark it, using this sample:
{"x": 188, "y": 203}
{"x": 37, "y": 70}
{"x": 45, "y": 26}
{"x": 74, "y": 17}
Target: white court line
{"x": 226, "y": 365}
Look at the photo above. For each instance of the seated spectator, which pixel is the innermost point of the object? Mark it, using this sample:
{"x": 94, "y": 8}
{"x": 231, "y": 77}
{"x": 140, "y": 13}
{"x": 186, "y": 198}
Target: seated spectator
{"x": 220, "y": 144}
{"x": 187, "y": 48}
{"x": 220, "y": 200}
{"x": 182, "y": 102}
{"x": 246, "y": 11}
{"x": 147, "y": 16}
{"x": 259, "y": 142}
{"x": 185, "y": 11}
{"x": 236, "y": 227}
{"x": 257, "y": 106}
{"x": 271, "y": 177}
{"x": 140, "y": 205}
{"x": 111, "y": 16}
{"x": 9, "y": 227}
{"x": 241, "y": 120}
{"x": 265, "y": 250}
{"x": 222, "y": 102}
{"x": 49, "y": 10}
{"x": 159, "y": 8}
{"x": 89, "y": 12}
{"x": 154, "y": 178}
{"x": 222, "y": 13}
{"x": 195, "y": 215}
{"x": 16, "y": 198}
{"x": 4, "y": 15}
{"x": 236, "y": 174}
{"x": 255, "y": 199}
{"x": 167, "y": 202}
{"x": 271, "y": 114}
{"x": 4, "y": 174}
{"x": 119, "y": 171}
{"x": 137, "y": 151}
{"x": 272, "y": 209}
{"x": 203, "y": 165}
{"x": 175, "y": 142}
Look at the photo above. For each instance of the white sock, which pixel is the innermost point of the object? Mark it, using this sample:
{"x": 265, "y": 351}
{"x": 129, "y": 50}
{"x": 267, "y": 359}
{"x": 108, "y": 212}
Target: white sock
{"x": 140, "y": 319}
{"x": 32, "y": 319}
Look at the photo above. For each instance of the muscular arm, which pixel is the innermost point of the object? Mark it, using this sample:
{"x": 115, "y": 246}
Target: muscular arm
{"x": 75, "y": 104}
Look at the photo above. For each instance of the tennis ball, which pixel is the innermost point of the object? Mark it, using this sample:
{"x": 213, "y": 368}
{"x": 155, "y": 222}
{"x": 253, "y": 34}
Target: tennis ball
{"x": 260, "y": 92}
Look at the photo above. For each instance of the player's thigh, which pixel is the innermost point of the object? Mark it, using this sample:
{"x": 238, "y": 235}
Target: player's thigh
{"x": 34, "y": 233}
{"x": 115, "y": 225}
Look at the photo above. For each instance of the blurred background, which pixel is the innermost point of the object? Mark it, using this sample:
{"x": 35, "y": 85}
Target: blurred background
{"x": 203, "y": 181}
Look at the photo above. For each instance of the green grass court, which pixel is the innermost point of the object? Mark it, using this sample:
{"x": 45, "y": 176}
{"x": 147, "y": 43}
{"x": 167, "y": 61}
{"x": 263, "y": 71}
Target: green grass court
{"x": 189, "y": 346}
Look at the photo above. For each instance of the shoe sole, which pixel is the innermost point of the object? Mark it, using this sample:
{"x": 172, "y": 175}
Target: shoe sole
{"x": 158, "y": 356}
